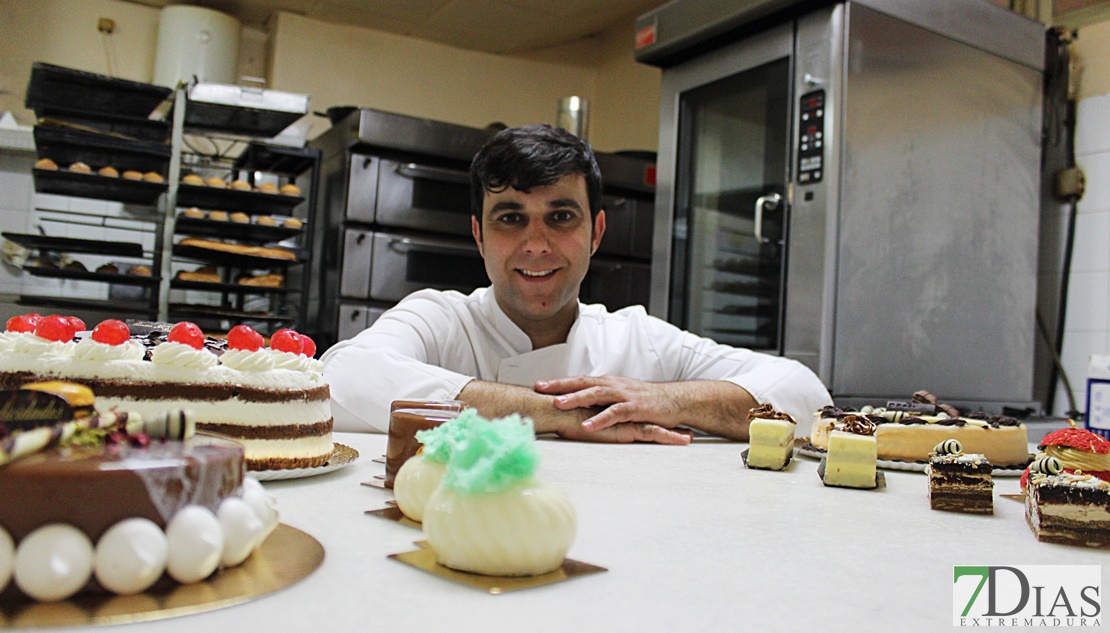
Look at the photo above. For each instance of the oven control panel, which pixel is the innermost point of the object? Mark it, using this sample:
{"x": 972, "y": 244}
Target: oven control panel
{"x": 811, "y": 138}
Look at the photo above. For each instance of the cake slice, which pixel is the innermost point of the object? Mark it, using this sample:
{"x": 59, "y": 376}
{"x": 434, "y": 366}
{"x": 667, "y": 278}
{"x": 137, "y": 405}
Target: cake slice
{"x": 958, "y": 481}
{"x": 771, "y": 438}
{"x": 851, "y": 460}
{"x": 1069, "y": 509}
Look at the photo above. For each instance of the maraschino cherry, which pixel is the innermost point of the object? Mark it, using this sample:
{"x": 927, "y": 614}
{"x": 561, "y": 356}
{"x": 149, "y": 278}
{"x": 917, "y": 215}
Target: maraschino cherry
{"x": 286, "y": 340}
{"x": 188, "y": 334}
{"x": 245, "y": 338}
{"x": 111, "y": 332}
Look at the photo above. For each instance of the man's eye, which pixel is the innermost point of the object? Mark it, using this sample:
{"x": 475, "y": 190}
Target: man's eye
{"x": 508, "y": 218}
{"x": 562, "y": 216}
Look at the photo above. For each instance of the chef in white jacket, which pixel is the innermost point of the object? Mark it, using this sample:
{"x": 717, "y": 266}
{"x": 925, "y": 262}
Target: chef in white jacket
{"x": 527, "y": 345}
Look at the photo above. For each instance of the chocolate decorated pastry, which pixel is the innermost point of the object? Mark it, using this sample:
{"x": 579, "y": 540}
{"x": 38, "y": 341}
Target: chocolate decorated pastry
{"x": 908, "y": 431}
{"x": 959, "y": 481}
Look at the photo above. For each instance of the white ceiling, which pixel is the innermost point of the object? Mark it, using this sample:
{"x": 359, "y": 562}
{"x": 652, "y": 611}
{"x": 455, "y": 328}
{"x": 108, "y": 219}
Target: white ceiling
{"x": 493, "y": 26}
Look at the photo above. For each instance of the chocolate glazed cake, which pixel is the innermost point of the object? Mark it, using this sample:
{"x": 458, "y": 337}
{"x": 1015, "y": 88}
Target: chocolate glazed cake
{"x": 92, "y": 488}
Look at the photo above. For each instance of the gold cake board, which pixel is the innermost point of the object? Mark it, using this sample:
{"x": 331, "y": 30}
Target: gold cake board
{"x": 288, "y": 556}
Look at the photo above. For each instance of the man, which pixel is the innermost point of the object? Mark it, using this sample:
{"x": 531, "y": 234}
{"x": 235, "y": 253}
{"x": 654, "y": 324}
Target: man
{"x": 526, "y": 344}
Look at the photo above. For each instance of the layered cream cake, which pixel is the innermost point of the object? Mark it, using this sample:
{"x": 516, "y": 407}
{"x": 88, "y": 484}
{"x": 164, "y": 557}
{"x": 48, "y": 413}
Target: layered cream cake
{"x": 850, "y": 462}
{"x": 274, "y": 401}
{"x": 1068, "y": 508}
{"x": 911, "y": 435}
{"x": 770, "y": 437}
{"x": 959, "y": 481}
{"x": 123, "y": 509}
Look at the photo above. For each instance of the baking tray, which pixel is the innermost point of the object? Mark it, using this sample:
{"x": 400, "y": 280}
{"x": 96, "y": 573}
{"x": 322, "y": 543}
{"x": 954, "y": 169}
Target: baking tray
{"x": 88, "y": 275}
{"x": 247, "y": 232}
{"x": 59, "y": 87}
{"x": 274, "y": 159}
{"x": 114, "y": 307}
{"x": 75, "y": 245}
{"x": 238, "y": 110}
{"x": 215, "y": 312}
{"x": 68, "y": 183}
{"x": 251, "y": 202}
{"x": 229, "y": 259}
{"x": 66, "y": 146}
{"x": 181, "y": 284}
{"x": 128, "y": 127}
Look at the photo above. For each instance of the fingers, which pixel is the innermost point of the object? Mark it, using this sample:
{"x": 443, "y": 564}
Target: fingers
{"x": 628, "y": 432}
{"x": 615, "y": 414}
{"x": 571, "y": 384}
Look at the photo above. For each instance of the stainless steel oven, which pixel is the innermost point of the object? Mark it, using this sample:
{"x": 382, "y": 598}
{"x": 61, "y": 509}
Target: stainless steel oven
{"x": 854, "y": 186}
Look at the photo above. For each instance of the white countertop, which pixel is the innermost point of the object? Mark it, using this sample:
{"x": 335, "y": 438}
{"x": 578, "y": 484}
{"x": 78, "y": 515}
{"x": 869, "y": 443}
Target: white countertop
{"x": 693, "y": 541}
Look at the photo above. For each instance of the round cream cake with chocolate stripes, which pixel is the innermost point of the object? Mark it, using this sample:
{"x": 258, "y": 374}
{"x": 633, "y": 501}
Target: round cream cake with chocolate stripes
{"x": 275, "y": 403}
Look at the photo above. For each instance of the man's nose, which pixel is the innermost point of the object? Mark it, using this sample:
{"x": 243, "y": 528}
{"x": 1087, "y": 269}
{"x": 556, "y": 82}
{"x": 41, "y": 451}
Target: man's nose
{"x": 536, "y": 238}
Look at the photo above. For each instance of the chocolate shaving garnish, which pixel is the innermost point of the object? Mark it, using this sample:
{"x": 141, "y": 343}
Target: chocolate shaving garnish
{"x": 924, "y": 397}
{"x": 768, "y": 412}
{"x": 859, "y": 425}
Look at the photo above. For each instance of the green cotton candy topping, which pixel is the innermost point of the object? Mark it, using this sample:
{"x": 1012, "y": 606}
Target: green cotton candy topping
{"x": 439, "y": 441}
{"x": 483, "y": 456}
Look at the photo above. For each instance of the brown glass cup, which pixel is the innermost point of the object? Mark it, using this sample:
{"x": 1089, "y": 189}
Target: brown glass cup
{"x": 403, "y": 425}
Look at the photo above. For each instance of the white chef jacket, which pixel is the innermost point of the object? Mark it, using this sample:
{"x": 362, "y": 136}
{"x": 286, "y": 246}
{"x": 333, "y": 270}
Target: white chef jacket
{"x": 432, "y": 343}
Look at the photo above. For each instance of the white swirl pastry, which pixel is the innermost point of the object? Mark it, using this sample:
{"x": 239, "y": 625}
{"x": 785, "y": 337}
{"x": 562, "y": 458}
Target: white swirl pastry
{"x": 415, "y": 482}
{"x": 243, "y": 360}
{"x": 90, "y": 350}
{"x": 523, "y": 531}
{"x": 182, "y": 355}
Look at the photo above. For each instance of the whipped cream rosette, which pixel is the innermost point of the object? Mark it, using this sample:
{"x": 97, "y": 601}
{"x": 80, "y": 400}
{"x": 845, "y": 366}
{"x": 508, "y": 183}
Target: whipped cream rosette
{"x": 490, "y": 515}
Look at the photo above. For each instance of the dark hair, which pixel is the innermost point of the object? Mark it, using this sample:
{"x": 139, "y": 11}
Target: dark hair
{"x": 532, "y": 156}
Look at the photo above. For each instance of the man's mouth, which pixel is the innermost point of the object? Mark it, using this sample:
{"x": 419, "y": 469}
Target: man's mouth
{"x": 536, "y": 273}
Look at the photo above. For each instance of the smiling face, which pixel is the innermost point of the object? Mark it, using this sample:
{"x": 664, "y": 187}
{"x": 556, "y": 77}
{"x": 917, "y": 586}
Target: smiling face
{"x": 537, "y": 246}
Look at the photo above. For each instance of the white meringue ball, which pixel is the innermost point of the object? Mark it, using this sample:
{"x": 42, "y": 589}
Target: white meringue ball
{"x": 416, "y": 481}
{"x": 196, "y": 543}
{"x": 242, "y": 529}
{"x": 264, "y": 506}
{"x": 53, "y": 562}
{"x": 7, "y": 557}
{"x": 131, "y": 556}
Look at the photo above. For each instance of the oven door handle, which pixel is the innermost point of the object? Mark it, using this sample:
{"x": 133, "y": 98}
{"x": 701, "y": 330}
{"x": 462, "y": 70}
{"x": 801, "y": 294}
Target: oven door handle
{"x": 412, "y": 170}
{"x": 403, "y": 245}
{"x": 770, "y": 202}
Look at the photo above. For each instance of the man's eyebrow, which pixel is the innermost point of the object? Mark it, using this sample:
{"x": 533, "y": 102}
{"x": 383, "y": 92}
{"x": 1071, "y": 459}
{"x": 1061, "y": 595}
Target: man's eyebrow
{"x": 562, "y": 203}
{"x": 506, "y": 205}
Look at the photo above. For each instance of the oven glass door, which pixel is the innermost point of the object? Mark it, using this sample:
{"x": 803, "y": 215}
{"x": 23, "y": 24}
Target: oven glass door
{"x": 730, "y": 197}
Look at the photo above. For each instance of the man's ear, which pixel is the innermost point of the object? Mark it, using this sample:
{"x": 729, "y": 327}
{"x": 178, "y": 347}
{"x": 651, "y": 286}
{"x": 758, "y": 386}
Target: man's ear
{"x": 599, "y": 230}
{"x": 476, "y": 231}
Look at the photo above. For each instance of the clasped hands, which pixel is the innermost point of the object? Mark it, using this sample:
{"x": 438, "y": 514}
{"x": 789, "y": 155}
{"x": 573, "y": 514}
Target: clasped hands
{"x": 623, "y": 409}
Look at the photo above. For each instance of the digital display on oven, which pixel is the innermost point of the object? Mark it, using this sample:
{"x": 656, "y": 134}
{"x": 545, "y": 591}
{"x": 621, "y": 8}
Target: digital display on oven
{"x": 811, "y": 138}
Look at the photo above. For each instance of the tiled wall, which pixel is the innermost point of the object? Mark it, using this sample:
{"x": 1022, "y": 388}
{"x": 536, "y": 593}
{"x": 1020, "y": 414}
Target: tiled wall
{"x": 1087, "y": 324}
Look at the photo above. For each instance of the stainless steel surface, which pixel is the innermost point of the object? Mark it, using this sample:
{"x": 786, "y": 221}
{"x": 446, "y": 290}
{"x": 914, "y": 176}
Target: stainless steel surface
{"x": 684, "y": 27}
{"x": 809, "y": 322}
{"x": 573, "y": 116}
{"x": 358, "y": 257}
{"x": 396, "y": 272}
{"x": 939, "y": 216}
{"x": 362, "y": 189}
{"x": 422, "y": 197}
{"x": 912, "y": 258}
{"x": 243, "y": 97}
